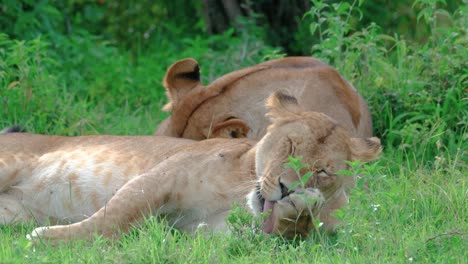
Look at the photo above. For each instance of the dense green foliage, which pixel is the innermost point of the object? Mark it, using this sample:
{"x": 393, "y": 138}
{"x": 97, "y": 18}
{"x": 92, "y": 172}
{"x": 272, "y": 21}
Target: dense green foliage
{"x": 85, "y": 67}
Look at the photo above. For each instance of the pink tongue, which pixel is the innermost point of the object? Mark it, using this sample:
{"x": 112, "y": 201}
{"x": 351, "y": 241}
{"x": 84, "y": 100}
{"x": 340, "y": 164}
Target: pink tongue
{"x": 268, "y": 224}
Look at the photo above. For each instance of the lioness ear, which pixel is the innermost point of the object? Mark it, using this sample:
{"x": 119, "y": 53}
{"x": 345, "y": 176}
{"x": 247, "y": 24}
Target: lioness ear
{"x": 232, "y": 128}
{"x": 281, "y": 105}
{"x": 365, "y": 149}
{"x": 181, "y": 77}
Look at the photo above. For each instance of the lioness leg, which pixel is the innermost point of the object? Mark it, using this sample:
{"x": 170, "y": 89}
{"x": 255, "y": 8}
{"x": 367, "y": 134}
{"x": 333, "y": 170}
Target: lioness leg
{"x": 215, "y": 223}
{"x": 136, "y": 199}
{"x": 11, "y": 210}
{"x": 10, "y": 172}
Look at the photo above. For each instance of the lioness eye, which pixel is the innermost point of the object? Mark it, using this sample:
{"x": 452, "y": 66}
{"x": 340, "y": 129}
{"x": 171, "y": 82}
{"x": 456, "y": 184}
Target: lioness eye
{"x": 229, "y": 118}
{"x": 233, "y": 134}
{"x": 292, "y": 148}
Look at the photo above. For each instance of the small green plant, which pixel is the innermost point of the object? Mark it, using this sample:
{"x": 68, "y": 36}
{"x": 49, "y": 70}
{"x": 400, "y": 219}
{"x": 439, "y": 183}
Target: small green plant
{"x": 363, "y": 173}
{"x": 296, "y": 164}
{"x": 241, "y": 221}
{"x": 246, "y": 231}
{"x": 331, "y": 21}
{"x": 360, "y": 171}
{"x": 415, "y": 92}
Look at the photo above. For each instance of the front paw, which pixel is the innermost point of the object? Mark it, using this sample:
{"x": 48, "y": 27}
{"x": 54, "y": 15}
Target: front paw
{"x": 49, "y": 234}
{"x": 294, "y": 215}
{"x": 37, "y": 234}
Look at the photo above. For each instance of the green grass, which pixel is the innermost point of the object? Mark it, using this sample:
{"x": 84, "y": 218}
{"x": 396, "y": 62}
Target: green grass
{"x": 405, "y": 217}
{"x": 415, "y": 209}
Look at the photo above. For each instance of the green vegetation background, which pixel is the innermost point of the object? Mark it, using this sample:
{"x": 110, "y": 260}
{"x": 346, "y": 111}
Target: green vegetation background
{"x": 95, "y": 67}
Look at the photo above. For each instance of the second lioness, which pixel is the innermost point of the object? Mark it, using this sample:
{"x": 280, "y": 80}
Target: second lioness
{"x": 233, "y": 105}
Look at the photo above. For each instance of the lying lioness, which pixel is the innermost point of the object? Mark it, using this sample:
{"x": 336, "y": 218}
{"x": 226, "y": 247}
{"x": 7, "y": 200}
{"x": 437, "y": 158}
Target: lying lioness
{"x": 106, "y": 184}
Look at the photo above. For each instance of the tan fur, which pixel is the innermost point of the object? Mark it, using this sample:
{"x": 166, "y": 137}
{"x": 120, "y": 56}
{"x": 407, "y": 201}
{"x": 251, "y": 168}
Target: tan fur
{"x": 197, "y": 109}
{"x": 106, "y": 184}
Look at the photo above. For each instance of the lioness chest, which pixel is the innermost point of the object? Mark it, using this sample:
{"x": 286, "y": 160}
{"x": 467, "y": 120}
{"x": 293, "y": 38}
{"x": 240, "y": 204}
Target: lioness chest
{"x": 66, "y": 179}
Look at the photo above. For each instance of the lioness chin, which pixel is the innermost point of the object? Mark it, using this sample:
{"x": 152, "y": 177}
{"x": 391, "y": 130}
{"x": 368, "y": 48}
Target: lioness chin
{"x": 106, "y": 184}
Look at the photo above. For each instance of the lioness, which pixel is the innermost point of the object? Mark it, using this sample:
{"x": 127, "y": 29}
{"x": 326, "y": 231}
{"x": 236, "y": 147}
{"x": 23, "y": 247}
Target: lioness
{"x": 233, "y": 105}
{"x": 106, "y": 184}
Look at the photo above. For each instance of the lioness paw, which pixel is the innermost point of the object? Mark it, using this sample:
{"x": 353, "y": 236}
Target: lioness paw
{"x": 310, "y": 200}
{"x": 37, "y": 234}
{"x": 294, "y": 214}
{"x": 50, "y": 234}
{"x": 305, "y": 202}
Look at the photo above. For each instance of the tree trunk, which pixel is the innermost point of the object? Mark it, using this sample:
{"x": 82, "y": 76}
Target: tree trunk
{"x": 280, "y": 16}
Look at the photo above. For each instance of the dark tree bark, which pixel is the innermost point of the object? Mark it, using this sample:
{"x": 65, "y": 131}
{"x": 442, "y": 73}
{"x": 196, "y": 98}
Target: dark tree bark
{"x": 219, "y": 15}
{"x": 280, "y": 16}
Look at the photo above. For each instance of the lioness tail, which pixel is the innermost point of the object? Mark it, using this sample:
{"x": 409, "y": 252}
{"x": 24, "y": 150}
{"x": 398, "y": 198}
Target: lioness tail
{"x": 13, "y": 129}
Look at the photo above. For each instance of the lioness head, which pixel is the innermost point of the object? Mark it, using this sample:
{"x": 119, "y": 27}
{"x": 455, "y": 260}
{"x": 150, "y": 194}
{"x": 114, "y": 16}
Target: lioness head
{"x": 324, "y": 146}
{"x": 186, "y": 95}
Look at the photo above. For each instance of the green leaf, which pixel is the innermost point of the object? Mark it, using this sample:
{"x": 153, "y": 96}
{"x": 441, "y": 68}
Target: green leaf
{"x": 360, "y": 183}
{"x": 343, "y": 7}
{"x": 339, "y": 214}
{"x": 294, "y": 185}
{"x": 345, "y": 173}
{"x": 316, "y": 223}
{"x": 305, "y": 178}
{"x": 313, "y": 28}
{"x": 311, "y": 201}
{"x": 317, "y": 3}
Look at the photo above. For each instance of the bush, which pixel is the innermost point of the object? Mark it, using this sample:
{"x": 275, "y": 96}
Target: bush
{"x": 76, "y": 82}
{"x": 415, "y": 92}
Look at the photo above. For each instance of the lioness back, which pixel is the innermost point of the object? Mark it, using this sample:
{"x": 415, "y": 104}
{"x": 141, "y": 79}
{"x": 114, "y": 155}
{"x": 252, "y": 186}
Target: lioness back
{"x": 233, "y": 105}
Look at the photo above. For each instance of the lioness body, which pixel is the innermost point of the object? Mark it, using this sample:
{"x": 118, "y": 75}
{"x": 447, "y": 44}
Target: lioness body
{"x": 237, "y": 99}
{"x": 67, "y": 179}
{"x": 110, "y": 183}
